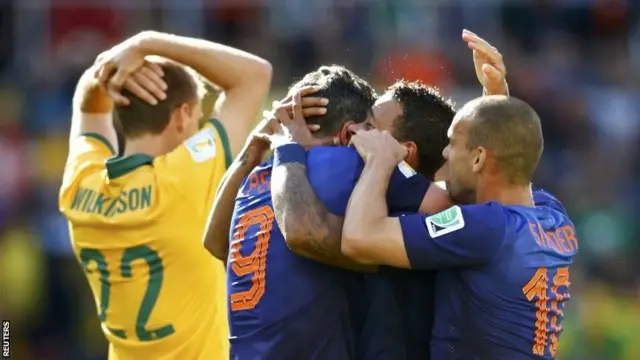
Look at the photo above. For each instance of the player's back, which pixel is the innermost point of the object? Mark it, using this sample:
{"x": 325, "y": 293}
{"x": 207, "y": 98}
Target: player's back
{"x": 512, "y": 307}
{"x": 281, "y": 306}
{"x": 284, "y": 306}
{"x": 136, "y": 225}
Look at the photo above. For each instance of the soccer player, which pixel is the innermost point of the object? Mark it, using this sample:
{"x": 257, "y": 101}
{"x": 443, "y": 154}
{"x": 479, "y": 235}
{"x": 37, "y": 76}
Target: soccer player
{"x": 398, "y": 304}
{"x": 316, "y": 322}
{"x": 418, "y": 116}
{"x": 136, "y": 221}
{"x": 504, "y": 261}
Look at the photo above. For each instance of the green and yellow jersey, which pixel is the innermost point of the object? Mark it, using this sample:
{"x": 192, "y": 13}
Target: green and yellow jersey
{"x": 136, "y": 226}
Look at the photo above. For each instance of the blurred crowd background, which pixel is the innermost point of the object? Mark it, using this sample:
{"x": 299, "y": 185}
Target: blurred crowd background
{"x": 576, "y": 61}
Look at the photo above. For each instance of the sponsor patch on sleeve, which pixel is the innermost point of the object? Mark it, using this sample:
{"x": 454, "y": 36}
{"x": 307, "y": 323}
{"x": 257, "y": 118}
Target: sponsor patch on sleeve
{"x": 202, "y": 146}
{"x": 445, "y": 222}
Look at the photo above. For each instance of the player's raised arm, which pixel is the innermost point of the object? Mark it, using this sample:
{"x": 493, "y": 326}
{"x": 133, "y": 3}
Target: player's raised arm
{"x": 216, "y": 237}
{"x": 450, "y": 238}
{"x": 244, "y": 78}
{"x": 91, "y": 114}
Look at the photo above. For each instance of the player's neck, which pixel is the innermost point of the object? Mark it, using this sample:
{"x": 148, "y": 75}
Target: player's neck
{"x": 150, "y": 145}
{"x": 505, "y": 194}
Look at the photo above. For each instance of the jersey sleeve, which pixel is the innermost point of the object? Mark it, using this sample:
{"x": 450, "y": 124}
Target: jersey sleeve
{"x": 87, "y": 154}
{"x": 334, "y": 171}
{"x": 195, "y": 168}
{"x": 459, "y": 236}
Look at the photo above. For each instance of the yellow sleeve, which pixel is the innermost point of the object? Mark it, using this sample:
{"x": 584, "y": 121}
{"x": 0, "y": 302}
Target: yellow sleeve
{"x": 196, "y": 167}
{"x": 87, "y": 154}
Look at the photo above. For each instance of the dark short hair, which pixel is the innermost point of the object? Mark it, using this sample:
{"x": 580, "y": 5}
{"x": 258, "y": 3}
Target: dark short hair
{"x": 350, "y": 97}
{"x": 426, "y": 118}
{"x": 511, "y": 130}
{"x": 140, "y": 118}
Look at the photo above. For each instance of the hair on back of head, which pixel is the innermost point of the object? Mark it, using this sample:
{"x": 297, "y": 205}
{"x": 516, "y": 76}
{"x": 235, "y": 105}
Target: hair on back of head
{"x": 350, "y": 97}
{"x": 140, "y": 118}
{"x": 426, "y": 117}
{"x": 511, "y": 129}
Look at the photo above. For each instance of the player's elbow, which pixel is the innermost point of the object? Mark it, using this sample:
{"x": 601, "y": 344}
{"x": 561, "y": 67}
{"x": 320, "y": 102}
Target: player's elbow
{"x": 296, "y": 240}
{"x": 262, "y": 72}
{"x": 354, "y": 246}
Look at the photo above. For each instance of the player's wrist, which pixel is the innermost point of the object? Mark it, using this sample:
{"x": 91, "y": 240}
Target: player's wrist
{"x": 151, "y": 42}
{"x": 89, "y": 96}
{"x": 288, "y": 154}
{"x": 381, "y": 165}
{"x": 503, "y": 89}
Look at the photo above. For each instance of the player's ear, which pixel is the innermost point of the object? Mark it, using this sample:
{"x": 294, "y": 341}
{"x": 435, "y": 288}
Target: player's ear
{"x": 412, "y": 154}
{"x": 179, "y": 116}
{"x": 348, "y": 130}
{"x": 479, "y": 158}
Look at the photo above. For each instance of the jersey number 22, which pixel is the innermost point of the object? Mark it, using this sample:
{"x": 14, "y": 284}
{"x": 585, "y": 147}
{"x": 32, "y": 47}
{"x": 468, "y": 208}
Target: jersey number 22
{"x": 156, "y": 271}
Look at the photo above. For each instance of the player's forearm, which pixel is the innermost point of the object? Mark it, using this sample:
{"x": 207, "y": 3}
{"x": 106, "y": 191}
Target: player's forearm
{"x": 216, "y": 239}
{"x": 223, "y": 65}
{"x": 309, "y": 229}
{"x": 92, "y": 109}
{"x": 366, "y": 211}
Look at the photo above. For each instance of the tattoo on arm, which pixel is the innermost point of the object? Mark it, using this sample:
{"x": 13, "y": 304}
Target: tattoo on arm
{"x": 310, "y": 230}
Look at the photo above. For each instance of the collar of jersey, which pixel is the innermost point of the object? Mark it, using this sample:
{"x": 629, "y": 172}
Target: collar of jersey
{"x": 119, "y": 166}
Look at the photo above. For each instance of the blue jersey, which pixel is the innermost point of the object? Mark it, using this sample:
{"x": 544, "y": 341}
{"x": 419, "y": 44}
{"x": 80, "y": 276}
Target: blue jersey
{"x": 282, "y": 306}
{"x": 399, "y": 307}
{"x": 503, "y": 278}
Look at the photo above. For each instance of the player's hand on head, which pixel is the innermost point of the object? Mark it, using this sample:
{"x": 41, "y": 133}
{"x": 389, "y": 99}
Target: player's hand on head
{"x": 376, "y": 145}
{"x": 146, "y": 83}
{"x": 116, "y": 65}
{"x": 311, "y": 105}
{"x": 294, "y": 127}
{"x": 488, "y": 63}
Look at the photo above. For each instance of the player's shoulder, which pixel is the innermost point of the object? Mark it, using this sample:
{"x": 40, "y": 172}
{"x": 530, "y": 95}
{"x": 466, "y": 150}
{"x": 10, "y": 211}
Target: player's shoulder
{"x": 223, "y": 144}
{"x": 341, "y": 156}
{"x": 543, "y": 198}
{"x": 202, "y": 146}
{"x": 198, "y": 152}
{"x": 257, "y": 183}
{"x": 332, "y": 173}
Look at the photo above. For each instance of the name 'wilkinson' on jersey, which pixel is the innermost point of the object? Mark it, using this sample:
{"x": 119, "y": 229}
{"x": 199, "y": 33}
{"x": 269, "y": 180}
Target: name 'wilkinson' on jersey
{"x": 92, "y": 202}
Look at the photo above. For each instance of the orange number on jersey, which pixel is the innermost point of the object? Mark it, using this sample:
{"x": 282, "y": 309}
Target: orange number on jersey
{"x": 536, "y": 289}
{"x": 253, "y": 264}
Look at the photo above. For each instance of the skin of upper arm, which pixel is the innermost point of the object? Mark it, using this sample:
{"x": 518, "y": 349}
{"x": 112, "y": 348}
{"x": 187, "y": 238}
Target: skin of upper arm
{"x": 238, "y": 107}
{"x": 216, "y": 238}
{"x": 379, "y": 244}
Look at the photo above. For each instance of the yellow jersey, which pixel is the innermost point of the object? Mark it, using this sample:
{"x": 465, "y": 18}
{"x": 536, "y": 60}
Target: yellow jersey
{"x": 136, "y": 226}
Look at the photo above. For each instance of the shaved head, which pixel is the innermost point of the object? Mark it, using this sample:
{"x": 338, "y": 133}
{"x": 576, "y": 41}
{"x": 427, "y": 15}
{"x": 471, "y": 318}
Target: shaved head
{"x": 492, "y": 135}
{"x": 510, "y": 129}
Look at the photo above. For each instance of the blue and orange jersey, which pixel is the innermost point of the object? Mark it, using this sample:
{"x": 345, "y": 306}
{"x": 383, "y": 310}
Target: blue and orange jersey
{"x": 503, "y": 277}
{"x": 283, "y": 306}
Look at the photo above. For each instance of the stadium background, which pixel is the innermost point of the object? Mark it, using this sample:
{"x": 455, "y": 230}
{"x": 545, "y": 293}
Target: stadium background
{"x": 576, "y": 61}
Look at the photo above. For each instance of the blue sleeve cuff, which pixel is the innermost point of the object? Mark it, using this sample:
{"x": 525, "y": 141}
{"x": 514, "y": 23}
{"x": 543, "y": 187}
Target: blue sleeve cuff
{"x": 289, "y": 153}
